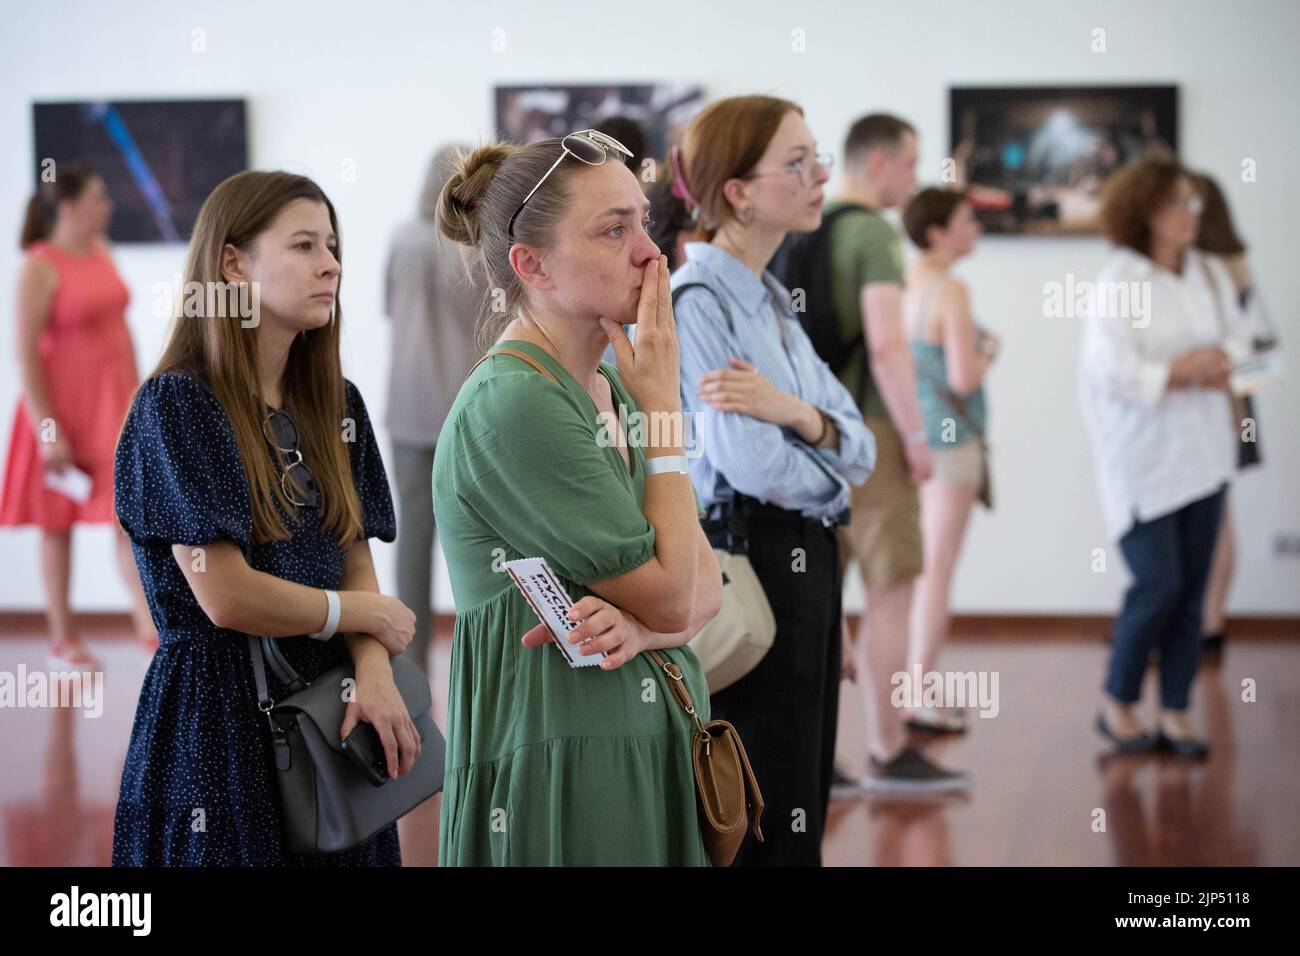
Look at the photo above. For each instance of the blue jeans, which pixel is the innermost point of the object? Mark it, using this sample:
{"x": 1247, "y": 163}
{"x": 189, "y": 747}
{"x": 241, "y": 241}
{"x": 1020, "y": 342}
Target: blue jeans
{"x": 1170, "y": 560}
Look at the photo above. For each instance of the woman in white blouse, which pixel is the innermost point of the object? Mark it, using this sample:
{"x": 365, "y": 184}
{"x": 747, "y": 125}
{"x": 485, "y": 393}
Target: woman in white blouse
{"x": 1158, "y": 348}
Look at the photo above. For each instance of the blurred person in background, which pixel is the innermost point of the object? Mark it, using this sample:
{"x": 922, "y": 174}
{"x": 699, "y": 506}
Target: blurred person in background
{"x": 1153, "y": 386}
{"x": 628, "y": 132}
{"x": 952, "y": 356}
{"x": 427, "y": 294}
{"x": 883, "y": 535}
{"x": 1218, "y": 237}
{"x": 78, "y": 374}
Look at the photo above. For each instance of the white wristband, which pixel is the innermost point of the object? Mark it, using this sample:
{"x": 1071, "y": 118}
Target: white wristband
{"x": 331, "y": 618}
{"x": 666, "y": 465}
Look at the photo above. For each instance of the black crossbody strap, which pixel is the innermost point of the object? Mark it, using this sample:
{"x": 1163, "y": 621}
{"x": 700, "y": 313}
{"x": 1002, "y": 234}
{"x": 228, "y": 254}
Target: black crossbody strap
{"x": 264, "y": 701}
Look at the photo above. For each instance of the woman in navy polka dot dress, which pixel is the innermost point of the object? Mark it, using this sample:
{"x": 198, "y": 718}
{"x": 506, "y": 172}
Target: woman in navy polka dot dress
{"x": 249, "y": 481}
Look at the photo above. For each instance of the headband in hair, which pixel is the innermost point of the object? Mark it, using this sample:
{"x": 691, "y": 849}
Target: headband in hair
{"x": 680, "y": 189}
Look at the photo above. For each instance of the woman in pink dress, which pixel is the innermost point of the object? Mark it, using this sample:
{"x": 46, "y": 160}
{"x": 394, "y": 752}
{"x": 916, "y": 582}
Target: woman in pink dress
{"x": 78, "y": 376}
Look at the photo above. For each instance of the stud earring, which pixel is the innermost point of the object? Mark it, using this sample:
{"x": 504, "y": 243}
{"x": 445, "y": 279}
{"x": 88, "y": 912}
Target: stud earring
{"x": 747, "y": 215}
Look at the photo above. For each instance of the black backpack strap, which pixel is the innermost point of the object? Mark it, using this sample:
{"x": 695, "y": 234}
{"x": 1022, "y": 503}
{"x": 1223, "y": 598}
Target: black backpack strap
{"x": 816, "y": 246}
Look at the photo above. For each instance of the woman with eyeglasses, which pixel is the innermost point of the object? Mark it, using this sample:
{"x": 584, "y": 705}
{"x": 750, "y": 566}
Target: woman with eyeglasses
{"x": 547, "y": 763}
{"x": 782, "y": 442}
{"x": 1158, "y": 349}
{"x": 249, "y": 480}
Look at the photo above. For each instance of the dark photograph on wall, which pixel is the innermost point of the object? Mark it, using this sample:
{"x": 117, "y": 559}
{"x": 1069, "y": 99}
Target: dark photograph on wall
{"x": 159, "y": 159}
{"x": 657, "y": 112}
{"x": 1035, "y": 158}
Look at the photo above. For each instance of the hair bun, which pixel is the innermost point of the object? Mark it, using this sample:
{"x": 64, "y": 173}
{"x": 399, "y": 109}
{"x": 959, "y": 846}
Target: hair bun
{"x": 462, "y": 196}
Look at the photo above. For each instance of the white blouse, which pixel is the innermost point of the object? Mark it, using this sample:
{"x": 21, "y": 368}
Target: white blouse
{"x": 1158, "y": 449}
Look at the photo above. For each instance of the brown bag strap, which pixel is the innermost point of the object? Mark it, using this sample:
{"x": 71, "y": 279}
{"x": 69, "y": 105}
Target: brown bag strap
{"x": 517, "y": 354}
{"x": 678, "y": 686}
{"x": 753, "y": 795}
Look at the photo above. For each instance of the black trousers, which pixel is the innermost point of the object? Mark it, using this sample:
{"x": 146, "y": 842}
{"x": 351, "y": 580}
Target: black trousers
{"x": 787, "y": 708}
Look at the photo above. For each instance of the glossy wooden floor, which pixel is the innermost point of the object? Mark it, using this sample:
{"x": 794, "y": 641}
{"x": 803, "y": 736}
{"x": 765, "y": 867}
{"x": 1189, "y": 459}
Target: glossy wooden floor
{"x": 1038, "y": 779}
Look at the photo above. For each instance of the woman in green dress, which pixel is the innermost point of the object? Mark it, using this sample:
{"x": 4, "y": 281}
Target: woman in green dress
{"x": 549, "y": 764}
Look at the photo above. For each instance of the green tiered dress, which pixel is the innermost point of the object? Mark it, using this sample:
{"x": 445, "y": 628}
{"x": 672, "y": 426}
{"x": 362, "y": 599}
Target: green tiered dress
{"x": 547, "y": 764}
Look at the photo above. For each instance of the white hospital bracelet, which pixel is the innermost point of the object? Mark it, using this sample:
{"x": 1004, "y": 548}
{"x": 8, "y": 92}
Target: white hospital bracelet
{"x": 666, "y": 465}
{"x": 331, "y": 619}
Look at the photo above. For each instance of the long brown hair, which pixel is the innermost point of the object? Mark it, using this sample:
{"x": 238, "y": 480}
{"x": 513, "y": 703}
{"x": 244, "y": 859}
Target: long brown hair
{"x": 724, "y": 141}
{"x": 223, "y": 354}
{"x": 69, "y": 182}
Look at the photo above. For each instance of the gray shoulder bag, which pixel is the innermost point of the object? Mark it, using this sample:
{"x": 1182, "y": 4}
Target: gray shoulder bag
{"x": 328, "y": 802}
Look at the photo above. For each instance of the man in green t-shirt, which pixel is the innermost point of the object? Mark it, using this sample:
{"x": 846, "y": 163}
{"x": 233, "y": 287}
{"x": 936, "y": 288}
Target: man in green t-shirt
{"x": 884, "y": 531}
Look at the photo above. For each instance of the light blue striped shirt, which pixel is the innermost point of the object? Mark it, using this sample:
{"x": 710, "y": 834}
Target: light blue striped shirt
{"x": 741, "y": 453}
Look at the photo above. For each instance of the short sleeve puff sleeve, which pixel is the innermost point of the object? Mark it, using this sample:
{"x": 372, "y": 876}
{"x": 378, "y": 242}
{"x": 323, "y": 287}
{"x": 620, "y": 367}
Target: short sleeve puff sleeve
{"x": 178, "y": 475}
{"x": 536, "y": 471}
{"x": 368, "y": 474}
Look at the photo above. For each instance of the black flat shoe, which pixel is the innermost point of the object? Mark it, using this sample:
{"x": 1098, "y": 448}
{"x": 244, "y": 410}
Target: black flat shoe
{"x": 1188, "y": 747}
{"x": 1139, "y": 744}
{"x": 1212, "y": 643}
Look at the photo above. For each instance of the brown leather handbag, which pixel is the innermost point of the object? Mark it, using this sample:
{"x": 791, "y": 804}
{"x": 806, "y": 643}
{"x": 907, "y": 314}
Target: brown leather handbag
{"x": 726, "y": 790}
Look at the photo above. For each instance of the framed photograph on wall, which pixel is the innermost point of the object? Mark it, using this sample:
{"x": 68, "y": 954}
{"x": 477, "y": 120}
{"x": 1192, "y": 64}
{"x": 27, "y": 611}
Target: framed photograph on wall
{"x": 525, "y": 114}
{"x": 1036, "y": 158}
{"x": 159, "y": 158}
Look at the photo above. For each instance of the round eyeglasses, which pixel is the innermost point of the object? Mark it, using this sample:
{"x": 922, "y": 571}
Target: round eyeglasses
{"x": 804, "y": 168}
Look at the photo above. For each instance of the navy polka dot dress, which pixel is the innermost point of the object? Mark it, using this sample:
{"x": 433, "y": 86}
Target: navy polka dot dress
{"x": 199, "y": 787}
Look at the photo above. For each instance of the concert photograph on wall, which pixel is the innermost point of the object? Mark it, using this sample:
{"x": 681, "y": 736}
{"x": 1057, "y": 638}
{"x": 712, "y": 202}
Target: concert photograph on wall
{"x": 1035, "y": 158}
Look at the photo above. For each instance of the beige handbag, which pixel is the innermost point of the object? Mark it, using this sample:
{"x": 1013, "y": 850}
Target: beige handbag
{"x": 732, "y": 644}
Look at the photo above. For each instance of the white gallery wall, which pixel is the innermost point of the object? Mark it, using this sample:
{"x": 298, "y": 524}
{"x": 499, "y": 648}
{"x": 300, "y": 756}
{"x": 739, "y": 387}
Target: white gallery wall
{"x": 374, "y": 88}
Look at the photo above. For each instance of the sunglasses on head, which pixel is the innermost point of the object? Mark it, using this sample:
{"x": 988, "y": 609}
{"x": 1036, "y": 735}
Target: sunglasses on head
{"x": 296, "y": 475}
{"x": 588, "y": 145}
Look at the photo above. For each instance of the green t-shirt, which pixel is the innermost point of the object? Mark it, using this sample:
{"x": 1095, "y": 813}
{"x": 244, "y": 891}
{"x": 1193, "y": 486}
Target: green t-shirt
{"x": 863, "y": 248}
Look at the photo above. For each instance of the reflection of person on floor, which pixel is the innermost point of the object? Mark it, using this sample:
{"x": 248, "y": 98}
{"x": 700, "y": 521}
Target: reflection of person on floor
{"x": 912, "y": 834}
{"x": 1191, "y": 822}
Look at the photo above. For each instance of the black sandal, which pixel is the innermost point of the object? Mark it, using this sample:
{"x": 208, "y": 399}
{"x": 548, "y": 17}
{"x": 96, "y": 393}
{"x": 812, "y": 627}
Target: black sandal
{"x": 1141, "y": 743}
